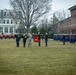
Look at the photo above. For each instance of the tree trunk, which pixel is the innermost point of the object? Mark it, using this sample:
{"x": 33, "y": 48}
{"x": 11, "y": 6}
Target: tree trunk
{"x": 28, "y": 30}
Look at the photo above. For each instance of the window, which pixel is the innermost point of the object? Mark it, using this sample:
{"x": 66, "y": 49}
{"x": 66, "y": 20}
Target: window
{"x": 1, "y": 29}
{"x": 6, "y": 29}
{"x": 16, "y": 22}
{"x": 11, "y": 29}
{"x": 11, "y": 21}
{"x": 4, "y": 14}
{"x": 0, "y": 21}
{"x": 7, "y": 14}
{"x": 3, "y": 21}
{"x": 0, "y": 13}
{"x": 7, "y": 21}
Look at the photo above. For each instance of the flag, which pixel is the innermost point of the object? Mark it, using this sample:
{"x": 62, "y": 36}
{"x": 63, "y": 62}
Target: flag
{"x": 36, "y": 39}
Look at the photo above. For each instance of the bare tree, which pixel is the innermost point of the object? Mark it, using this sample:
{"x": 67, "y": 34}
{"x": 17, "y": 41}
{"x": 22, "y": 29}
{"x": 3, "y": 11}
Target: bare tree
{"x": 56, "y": 18}
{"x": 61, "y": 15}
{"x": 29, "y": 11}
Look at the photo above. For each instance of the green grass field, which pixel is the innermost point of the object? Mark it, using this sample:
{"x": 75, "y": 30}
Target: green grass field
{"x": 56, "y": 59}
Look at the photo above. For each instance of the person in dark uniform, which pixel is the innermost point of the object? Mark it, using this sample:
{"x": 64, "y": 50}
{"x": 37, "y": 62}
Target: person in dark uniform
{"x": 17, "y": 40}
{"x": 39, "y": 40}
{"x": 46, "y": 39}
{"x": 63, "y": 40}
{"x": 24, "y": 40}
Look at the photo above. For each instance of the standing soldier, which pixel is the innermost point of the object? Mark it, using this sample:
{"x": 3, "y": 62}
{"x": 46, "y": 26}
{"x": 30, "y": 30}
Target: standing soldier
{"x": 46, "y": 39}
{"x": 39, "y": 40}
{"x": 24, "y": 40}
{"x": 29, "y": 39}
{"x": 17, "y": 40}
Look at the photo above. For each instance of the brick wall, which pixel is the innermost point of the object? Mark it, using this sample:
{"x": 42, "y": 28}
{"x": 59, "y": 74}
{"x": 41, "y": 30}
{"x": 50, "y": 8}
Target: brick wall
{"x": 73, "y": 14}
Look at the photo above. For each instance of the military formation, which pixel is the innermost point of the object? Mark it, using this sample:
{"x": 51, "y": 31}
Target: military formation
{"x": 28, "y": 37}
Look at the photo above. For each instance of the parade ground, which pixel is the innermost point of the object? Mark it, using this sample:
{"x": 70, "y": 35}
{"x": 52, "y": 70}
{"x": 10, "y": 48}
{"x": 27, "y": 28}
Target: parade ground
{"x": 56, "y": 59}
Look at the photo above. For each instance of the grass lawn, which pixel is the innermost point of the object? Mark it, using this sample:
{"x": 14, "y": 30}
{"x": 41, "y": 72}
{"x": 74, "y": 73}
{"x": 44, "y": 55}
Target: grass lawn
{"x": 56, "y": 59}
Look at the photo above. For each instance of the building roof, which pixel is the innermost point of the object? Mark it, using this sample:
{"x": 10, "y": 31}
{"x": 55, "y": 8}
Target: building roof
{"x": 72, "y": 8}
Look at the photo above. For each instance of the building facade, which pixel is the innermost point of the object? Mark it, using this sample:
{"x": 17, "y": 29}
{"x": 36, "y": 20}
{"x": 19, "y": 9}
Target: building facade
{"x": 68, "y": 25}
{"x": 7, "y": 24}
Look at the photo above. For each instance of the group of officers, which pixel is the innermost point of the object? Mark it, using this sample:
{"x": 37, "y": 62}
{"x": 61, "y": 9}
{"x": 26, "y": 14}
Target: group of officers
{"x": 29, "y": 37}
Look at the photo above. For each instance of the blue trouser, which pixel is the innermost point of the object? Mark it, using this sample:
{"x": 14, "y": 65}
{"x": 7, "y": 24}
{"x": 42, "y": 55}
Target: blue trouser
{"x": 17, "y": 43}
{"x": 63, "y": 42}
{"x": 39, "y": 43}
{"x": 46, "y": 43}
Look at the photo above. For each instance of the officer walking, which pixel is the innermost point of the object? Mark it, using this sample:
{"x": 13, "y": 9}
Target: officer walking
{"x": 63, "y": 40}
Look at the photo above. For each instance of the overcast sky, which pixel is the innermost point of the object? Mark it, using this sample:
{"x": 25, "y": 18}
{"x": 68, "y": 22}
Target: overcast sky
{"x": 56, "y": 4}
{"x": 62, "y": 4}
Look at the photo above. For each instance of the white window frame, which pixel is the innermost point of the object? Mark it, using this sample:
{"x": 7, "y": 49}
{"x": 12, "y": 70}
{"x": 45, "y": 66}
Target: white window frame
{"x": 6, "y": 29}
{"x": 1, "y": 29}
{"x": 11, "y": 30}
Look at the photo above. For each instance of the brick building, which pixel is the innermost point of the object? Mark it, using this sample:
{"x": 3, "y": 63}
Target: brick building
{"x": 68, "y": 25}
